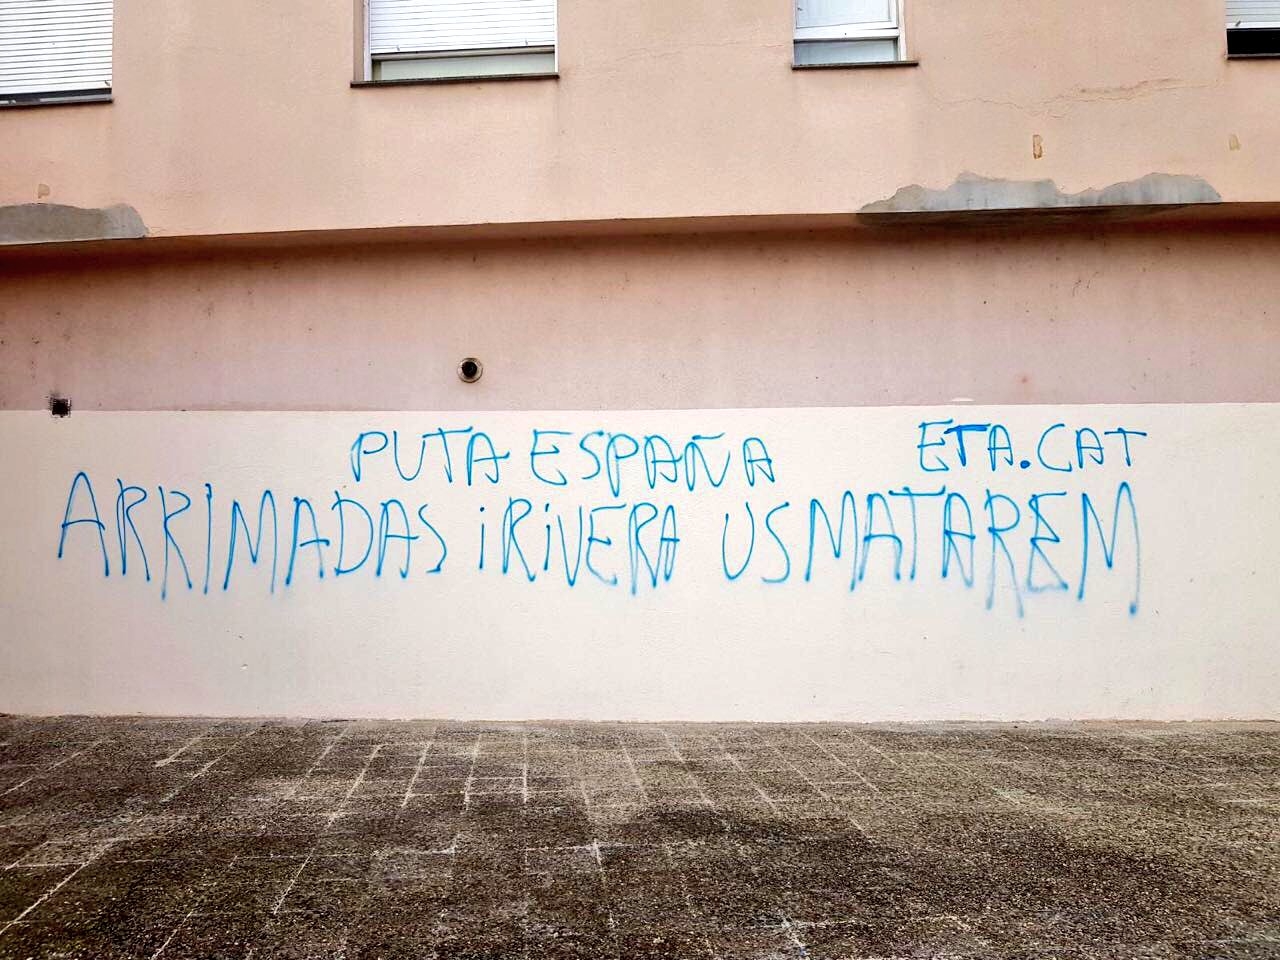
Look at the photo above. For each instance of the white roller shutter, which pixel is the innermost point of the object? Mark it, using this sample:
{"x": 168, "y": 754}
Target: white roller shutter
{"x": 833, "y": 13}
{"x": 837, "y": 19}
{"x": 1253, "y": 13}
{"x": 50, "y": 46}
{"x": 428, "y": 26}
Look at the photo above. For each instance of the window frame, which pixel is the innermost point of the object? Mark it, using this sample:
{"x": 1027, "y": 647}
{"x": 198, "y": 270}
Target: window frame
{"x": 366, "y": 59}
{"x": 69, "y": 96}
{"x": 1257, "y": 39}
{"x": 1269, "y": 49}
{"x": 893, "y": 29}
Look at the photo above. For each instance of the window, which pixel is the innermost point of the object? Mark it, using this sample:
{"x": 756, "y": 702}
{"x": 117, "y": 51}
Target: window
{"x": 832, "y": 32}
{"x": 54, "y": 51}
{"x": 1253, "y": 28}
{"x": 443, "y": 39}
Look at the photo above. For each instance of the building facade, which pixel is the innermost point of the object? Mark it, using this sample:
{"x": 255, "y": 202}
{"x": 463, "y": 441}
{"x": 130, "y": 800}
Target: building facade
{"x": 266, "y": 239}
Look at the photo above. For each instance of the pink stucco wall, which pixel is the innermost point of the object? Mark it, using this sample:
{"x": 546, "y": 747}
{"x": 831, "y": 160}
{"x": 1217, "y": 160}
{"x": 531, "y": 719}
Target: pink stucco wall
{"x": 1120, "y": 315}
{"x": 239, "y": 117}
{"x": 673, "y": 223}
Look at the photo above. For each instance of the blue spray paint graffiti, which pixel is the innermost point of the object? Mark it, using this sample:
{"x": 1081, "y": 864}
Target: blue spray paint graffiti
{"x": 626, "y": 528}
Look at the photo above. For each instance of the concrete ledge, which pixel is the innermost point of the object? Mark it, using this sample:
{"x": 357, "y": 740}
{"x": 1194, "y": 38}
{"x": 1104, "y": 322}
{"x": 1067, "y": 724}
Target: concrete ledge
{"x": 918, "y": 224}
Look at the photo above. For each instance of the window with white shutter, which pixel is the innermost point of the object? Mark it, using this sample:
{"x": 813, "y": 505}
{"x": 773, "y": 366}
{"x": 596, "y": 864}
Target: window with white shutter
{"x": 54, "y": 51}
{"x": 1253, "y": 28}
{"x": 445, "y": 39}
{"x": 835, "y": 32}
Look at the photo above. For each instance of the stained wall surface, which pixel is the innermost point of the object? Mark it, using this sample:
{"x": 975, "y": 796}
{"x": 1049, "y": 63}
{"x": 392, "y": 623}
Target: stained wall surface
{"x": 695, "y": 322}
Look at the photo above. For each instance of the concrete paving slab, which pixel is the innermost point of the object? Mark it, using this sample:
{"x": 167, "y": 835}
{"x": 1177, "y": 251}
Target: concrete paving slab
{"x": 188, "y": 838}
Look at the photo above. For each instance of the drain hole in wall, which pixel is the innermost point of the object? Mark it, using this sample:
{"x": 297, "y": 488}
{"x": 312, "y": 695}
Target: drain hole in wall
{"x": 470, "y": 370}
{"x": 60, "y": 406}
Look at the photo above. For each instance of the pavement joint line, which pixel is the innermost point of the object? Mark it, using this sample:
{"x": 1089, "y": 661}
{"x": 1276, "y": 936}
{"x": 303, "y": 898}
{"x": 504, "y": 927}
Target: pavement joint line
{"x": 475, "y": 756}
{"x": 417, "y": 772}
{"x": 813, "y": 785}
{"x": 169, "y": 798}
{"x": 694, "y": 913}
{"x": 871, "y": 746}
{"x": 56, "y": 887}
{"x": 453, "y": 867}
{"x": 332, "y": 817}
{"x": 524, "y": 770}
{"x": 706, "y": 799}
{"x": 817, "y": 743}
{"x": 289, "y": 889}
{"x": 971, "y": 775}
{"x": 53, "y": 766}
{"x": 333, "y": 742}
{"x": 191, "y": 913}
{"x": 22, "y": 862}
{"x": 635, "y": 773}
{"x": 186, "y": 746}
{"x": 698, "y": 784}
{"x": 794, "y": 937}
{"x": 84, "y": 750}
{"x": 579, "y": 775}
{"x": 773, "y": 804}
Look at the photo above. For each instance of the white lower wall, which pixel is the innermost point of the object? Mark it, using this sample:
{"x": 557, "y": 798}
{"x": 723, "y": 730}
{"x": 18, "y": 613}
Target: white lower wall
{"x": 1145, "y": 588}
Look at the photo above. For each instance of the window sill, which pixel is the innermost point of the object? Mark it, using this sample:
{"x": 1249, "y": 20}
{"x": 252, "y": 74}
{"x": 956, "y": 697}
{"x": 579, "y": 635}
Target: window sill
{"x": 481, "y": 78}
{"x": 857, "y": 65}
{"x": 52, "y": 100}
{"x": 1253, "y": 56}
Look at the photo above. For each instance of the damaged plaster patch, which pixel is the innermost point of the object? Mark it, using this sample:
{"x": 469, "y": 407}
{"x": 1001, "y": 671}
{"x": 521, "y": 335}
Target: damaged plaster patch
{"x": 55, "y": 222}
{"x": 971, "y": 192}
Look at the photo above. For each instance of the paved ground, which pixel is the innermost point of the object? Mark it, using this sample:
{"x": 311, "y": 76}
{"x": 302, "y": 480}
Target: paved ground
{"x": 193, "y": 838}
